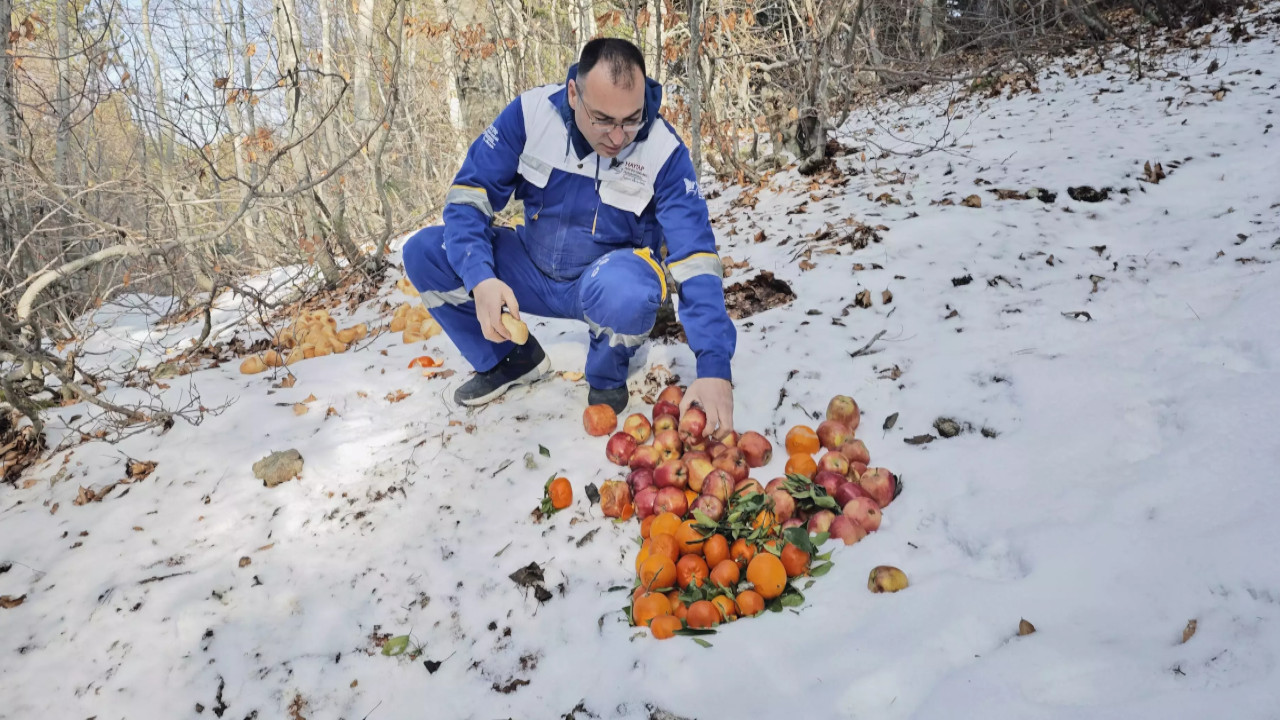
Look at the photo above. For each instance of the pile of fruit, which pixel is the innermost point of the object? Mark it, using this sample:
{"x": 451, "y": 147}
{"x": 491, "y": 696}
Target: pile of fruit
{"x": 313, "y": 334}
{"x": 716, "y": 544}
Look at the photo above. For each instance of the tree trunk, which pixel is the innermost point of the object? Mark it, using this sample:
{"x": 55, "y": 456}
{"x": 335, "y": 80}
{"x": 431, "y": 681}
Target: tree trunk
{"x": 9, "y": 152}
{"x": 334, "y": 154}
{"x": 695, "y": 85}
{"x": 238, "y": 137}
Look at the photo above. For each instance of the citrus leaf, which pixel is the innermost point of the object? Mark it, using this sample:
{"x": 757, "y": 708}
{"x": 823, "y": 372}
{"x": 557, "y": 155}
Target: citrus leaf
{"x": 820, "y": 538}
{"x": 545, "y": 452}
{"x": 794, "y": 599}
{"x": 799, "y": 537}
{"x": 693, "y": 632}
{"x": 821, "y": 569}
{"x": 702, "y": 642}
{"x": 395, "y": 646}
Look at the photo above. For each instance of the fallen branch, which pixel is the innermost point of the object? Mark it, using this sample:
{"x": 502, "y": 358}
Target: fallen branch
{"x": 866, "y": 349}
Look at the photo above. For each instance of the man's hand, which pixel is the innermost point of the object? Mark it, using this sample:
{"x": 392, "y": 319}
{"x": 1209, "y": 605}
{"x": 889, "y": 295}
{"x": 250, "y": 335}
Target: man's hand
{"x": 715, "y": 395}
{"x": 490, "y": 295}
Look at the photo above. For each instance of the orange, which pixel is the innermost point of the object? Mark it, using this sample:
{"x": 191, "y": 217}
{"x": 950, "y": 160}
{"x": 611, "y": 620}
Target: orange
{"x": 750, "y": 603}
{"x": 690, "y": 496}
{"x": 766, "y": 573}
{"x": 767, "y": 520}
{"x": 664, "y": 544}
{"x": 645, "y": 526}
{"x": 690, "y": 538}
{"x": 742, "y": 552}
{"x": 691, "y": 569}
{"x": 772, "y": 545}
{"x": 802, "y": 439}
{"x": 680, "y": 610}
{"x": 725, "y": 605}
{"x": 801, "y": 464}
{"x": 645, "y": 550}
{"x": 665, "y": 626}
{"x": 560, "y": 492}
{"x": 667, "y": 522}
{"x": 649, "y": 606}
{"x": 703, "y": 614}
{"x": 794, "y": 560}
{"x": 715, "y": 549}
{"x": 658, "y": 573}
{"x": 726, "y": 573}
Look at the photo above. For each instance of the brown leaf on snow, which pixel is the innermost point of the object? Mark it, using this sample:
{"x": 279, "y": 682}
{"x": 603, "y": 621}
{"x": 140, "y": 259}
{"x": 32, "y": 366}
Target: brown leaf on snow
{"x": 886, "y": 297}
{"x": 759, "y": 237}
{"x": 972, "y": 201}
{"x": 863, "y": 299}
{"x": 246, "y": 561}
{"x": 806, "y": 265}
{"x": 300, "y": 409}
{"x": 1152, "y": 174}
{"x": 1025, "y": 628}
{"x": 437, "y": 374}
{"x": 309, "y": 398}
{"x": 139, "y": 470}
{"x": 759, "y": 293}
{"x": 289, "y": 381}
{"x": 1004, "y": 194}
{"x": 9, "y": 602}
{"x": 397, "y": 396}
{"x": 1189, "y": 630}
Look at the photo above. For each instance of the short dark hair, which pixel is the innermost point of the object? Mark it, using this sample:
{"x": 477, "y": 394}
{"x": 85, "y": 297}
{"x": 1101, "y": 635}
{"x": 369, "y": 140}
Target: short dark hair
{"x": 619, "y": 55}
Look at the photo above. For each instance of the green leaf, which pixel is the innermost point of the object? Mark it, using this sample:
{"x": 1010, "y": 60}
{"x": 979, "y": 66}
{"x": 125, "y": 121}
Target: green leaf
{"x": 395, "y": 646}
{"x": 795, "y": 599}
{"x": 819, "y": 539}
{"x": 693, "y": 632}
{"x": 702, "y": 642}
{"x": 545, "y": 452}
{"x": 808, "y": 584}
{"x": 775, "y": 605}
{"x": 799, "y": 537}
{"x": 820, "y": 569}
{"x": 824, "y": 500}
{"x": 702, "y": 521}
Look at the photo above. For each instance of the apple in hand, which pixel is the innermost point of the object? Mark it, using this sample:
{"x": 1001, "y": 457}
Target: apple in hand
{"x": 693, "y": 423}
{"x": 672, "y": 394}
{"x": 665, "y": 408}
{"x": 756, "y": 448}
{"x": 638, "y": 427}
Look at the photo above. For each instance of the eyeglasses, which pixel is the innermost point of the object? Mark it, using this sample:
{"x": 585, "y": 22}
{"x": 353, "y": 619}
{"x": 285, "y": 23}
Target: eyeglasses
{"x": 609, "y": 125}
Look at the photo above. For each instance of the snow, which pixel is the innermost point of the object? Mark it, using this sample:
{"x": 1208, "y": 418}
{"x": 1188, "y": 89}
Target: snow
{"x": 1130, "y": 486}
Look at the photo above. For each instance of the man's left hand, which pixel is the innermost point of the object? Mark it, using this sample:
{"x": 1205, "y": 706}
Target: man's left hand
{"x": 715, "y": 396}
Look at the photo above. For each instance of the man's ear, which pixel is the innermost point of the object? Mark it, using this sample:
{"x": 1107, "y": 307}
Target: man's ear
{"x": 573, "y": 94}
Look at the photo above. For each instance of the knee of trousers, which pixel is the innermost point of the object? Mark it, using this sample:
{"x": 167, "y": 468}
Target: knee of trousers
{"x": 621, "y": 293}
{"x": 427, "y": 267}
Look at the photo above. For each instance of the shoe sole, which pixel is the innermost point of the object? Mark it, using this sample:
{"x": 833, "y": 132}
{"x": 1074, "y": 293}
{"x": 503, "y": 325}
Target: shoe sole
{"x": 528, "y": 378}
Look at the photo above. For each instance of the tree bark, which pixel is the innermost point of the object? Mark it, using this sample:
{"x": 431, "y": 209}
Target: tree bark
{"x": 695, "y": 85}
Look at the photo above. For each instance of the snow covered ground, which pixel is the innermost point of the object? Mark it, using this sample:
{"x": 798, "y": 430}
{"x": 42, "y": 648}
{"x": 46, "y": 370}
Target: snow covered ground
{"x": 1130, "y": 485}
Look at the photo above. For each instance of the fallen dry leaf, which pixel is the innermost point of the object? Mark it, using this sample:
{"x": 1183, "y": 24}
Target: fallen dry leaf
{"x": 245, "y": 561}
{"x": 309, "y": 398}
{"x": 886, "y": 297}
{"x": 806, "y": 265}
{"x": 1025, "y": 628}
{"x": 300, "y": 409}
{"x": 8, "y": 602}
{"x": 863, "y": 299}
{"x": 972, "y": 201}
{"x": 289, "y": 382}
{"x": 440, "y": 374}
{"x": 1189, "y": 630}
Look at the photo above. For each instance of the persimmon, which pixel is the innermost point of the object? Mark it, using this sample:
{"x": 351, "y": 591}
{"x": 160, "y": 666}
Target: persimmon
{"x": 689, "y": 538}
{"x": 703, "y": 614}
{"x": 649, "y": 606}
{"x": 715, "y": 549}
{"x": 741, "y": 552}
{"x": 560, "y": 492}
{"x": 750, "y": 603}
{"x": 794, "y": 560}
{"x": 726, "y": 573}
{"x": 801, "y": 464}
{"x": 665, "y": 626}
{"x": 667, "y": 522}
{"x": 726, "y": 607}
{"x": 802, "y": 439}
{"x": 646, "y": 525}
{"x": 691, "y": 569}
{"x": 766, "y": 574}
{"x": 658, "y": 572}
{"x": 665, "y": 545}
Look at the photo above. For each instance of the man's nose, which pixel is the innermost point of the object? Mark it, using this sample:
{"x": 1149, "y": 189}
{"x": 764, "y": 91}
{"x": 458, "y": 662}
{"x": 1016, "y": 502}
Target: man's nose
{"x": 621, "y": 135}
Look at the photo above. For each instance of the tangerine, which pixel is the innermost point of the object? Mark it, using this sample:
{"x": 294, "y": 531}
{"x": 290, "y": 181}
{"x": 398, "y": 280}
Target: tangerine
{"x": 766, "y": 573}
{"x": 665, "y": 626}
{"x": 767, "y": 520}
{"x": 750, "y": 603}
{"x": 715, "y": 549}
{"x": 802, "y": 439}
{"x": 667, "y": 522}
{"x": 645, "y": 551}
{"x": 560, "y": 492}
{"x": 703, "y": 614}
{"x": 691, "y": 569}
{"x": 742, "y": 552}
{"x": 645, "y": 526}
{"x": 658, "y": 572}
{"x": 649, "y": 606}
{"x": 726, "y": 573}
{"x": 801, "y": 464}
{"x": 725, "y": 605}
{"x": 690, "y": 538}
{"x": 665, "y": 545}
{"x": 794, "y": 560}
{"x": 690, "y": 496}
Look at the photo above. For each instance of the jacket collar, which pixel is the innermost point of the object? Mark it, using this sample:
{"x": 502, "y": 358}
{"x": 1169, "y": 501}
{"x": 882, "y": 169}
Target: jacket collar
{"x": 581, "y": 147}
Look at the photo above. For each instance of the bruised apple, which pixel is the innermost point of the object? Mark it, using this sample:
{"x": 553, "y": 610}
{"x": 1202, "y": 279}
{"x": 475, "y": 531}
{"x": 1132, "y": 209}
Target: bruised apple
{"x": 835, "y": 462}
{"x": 620, "y": 448}
{"x": 856, "y": 452}
{"x": 865, "y": 512}
{"x": 847, "y": 530}
{"x": 599, "y": 420}
{"x": 886, "y": 578}
{"x": 615, "y": 496}
{"x": 734, "y": 463}
{"x": 665, "y": 408}
{"x": 880, "y": 484}
{"x": 638, "y": 427}
{"x": 672, "y": 500}
{"x": 671, "y": 473}
{"x": 645, "y": 456}
{"x": 668, "y": 444}
{"x": 644, "y": 500}
{"x": 833, "y": 434}
{"x": 820, "y": 521}
{"x": 710, "y": 506}
{"x": 756, "y": 448}
{"x": 671, "y": 394}
{"x": 844, "y": 410}
{"x": 718, "y": 484}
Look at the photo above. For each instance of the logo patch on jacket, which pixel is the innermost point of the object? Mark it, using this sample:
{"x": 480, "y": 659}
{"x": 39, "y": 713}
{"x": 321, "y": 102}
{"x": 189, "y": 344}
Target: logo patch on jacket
{"x": 491, "y": 136}
{"x": 692, "y": 188}
{"x": 632, "y": 171}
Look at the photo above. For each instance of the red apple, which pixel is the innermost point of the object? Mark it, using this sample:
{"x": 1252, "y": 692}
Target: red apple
{"x": 835, "y": 462}
{"x": 844, "y": 528}
{"x": 638, "y": 427}
{"x": 756, "y": 447}
{"x": 745, "y": 487}
{"x": 856, "y": 451}
{"x": 693, "y": 423}
{"x": 644, "y": 500}
{"x": 640, "y": 479}
{"x": 671, "y": 473}
{"x": 865, "y": 512}
{"x": 880, "y": 484}
{"x": 716, "y": 449}
{"x": 691, "y": 455}
{"x": 671, "y": 394}
{"x": 775, "y": 484}
{"x": 733, "y": 462}
{"x": 668, "y": 444}
{"x": 819, "y": 522}
{"x": 784, "y": 506}
{"x": 692, "y": 444}
{"x": 672, "y": 500}
{"x": 731, "y": 439}
{"x": 856, "y": 469}
{"x": 710, "y": 506}
{"x": 699, "y": 468}
{"x": 718, "y": 484}
{"x": 645, "y": 456}
{"x": 665, "y": 408}
{"x": 793, "y": 522}
{"x": 664, "y": 422}
{"x": 848, "y": 491}
{"x": 599, "y": 420}
{"x": 833, "y": 434}
{"x": 620, "y": 448}
{"x": 830, "y": 481}
{"x": 844, "y": 410}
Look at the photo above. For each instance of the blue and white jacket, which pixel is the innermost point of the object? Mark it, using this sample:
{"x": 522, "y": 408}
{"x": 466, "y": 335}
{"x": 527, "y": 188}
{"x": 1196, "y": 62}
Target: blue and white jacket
{"x": 650, "y": 191}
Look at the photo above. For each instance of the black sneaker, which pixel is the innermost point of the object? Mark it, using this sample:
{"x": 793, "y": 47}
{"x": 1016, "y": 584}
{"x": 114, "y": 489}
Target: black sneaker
{"x": 615, "y": 398}
{"x": 524, "y": 365}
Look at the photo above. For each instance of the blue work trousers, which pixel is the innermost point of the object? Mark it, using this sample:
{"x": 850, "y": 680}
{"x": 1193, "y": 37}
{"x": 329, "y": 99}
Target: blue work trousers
{"x": 617, "y": 296}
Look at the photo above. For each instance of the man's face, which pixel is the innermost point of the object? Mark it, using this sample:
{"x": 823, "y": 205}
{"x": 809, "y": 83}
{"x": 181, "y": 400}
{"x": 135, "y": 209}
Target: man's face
{"x": 607, "y": 115}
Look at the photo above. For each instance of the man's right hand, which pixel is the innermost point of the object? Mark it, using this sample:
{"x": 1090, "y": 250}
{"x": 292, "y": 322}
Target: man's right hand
{"x": 490, "y": 295}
